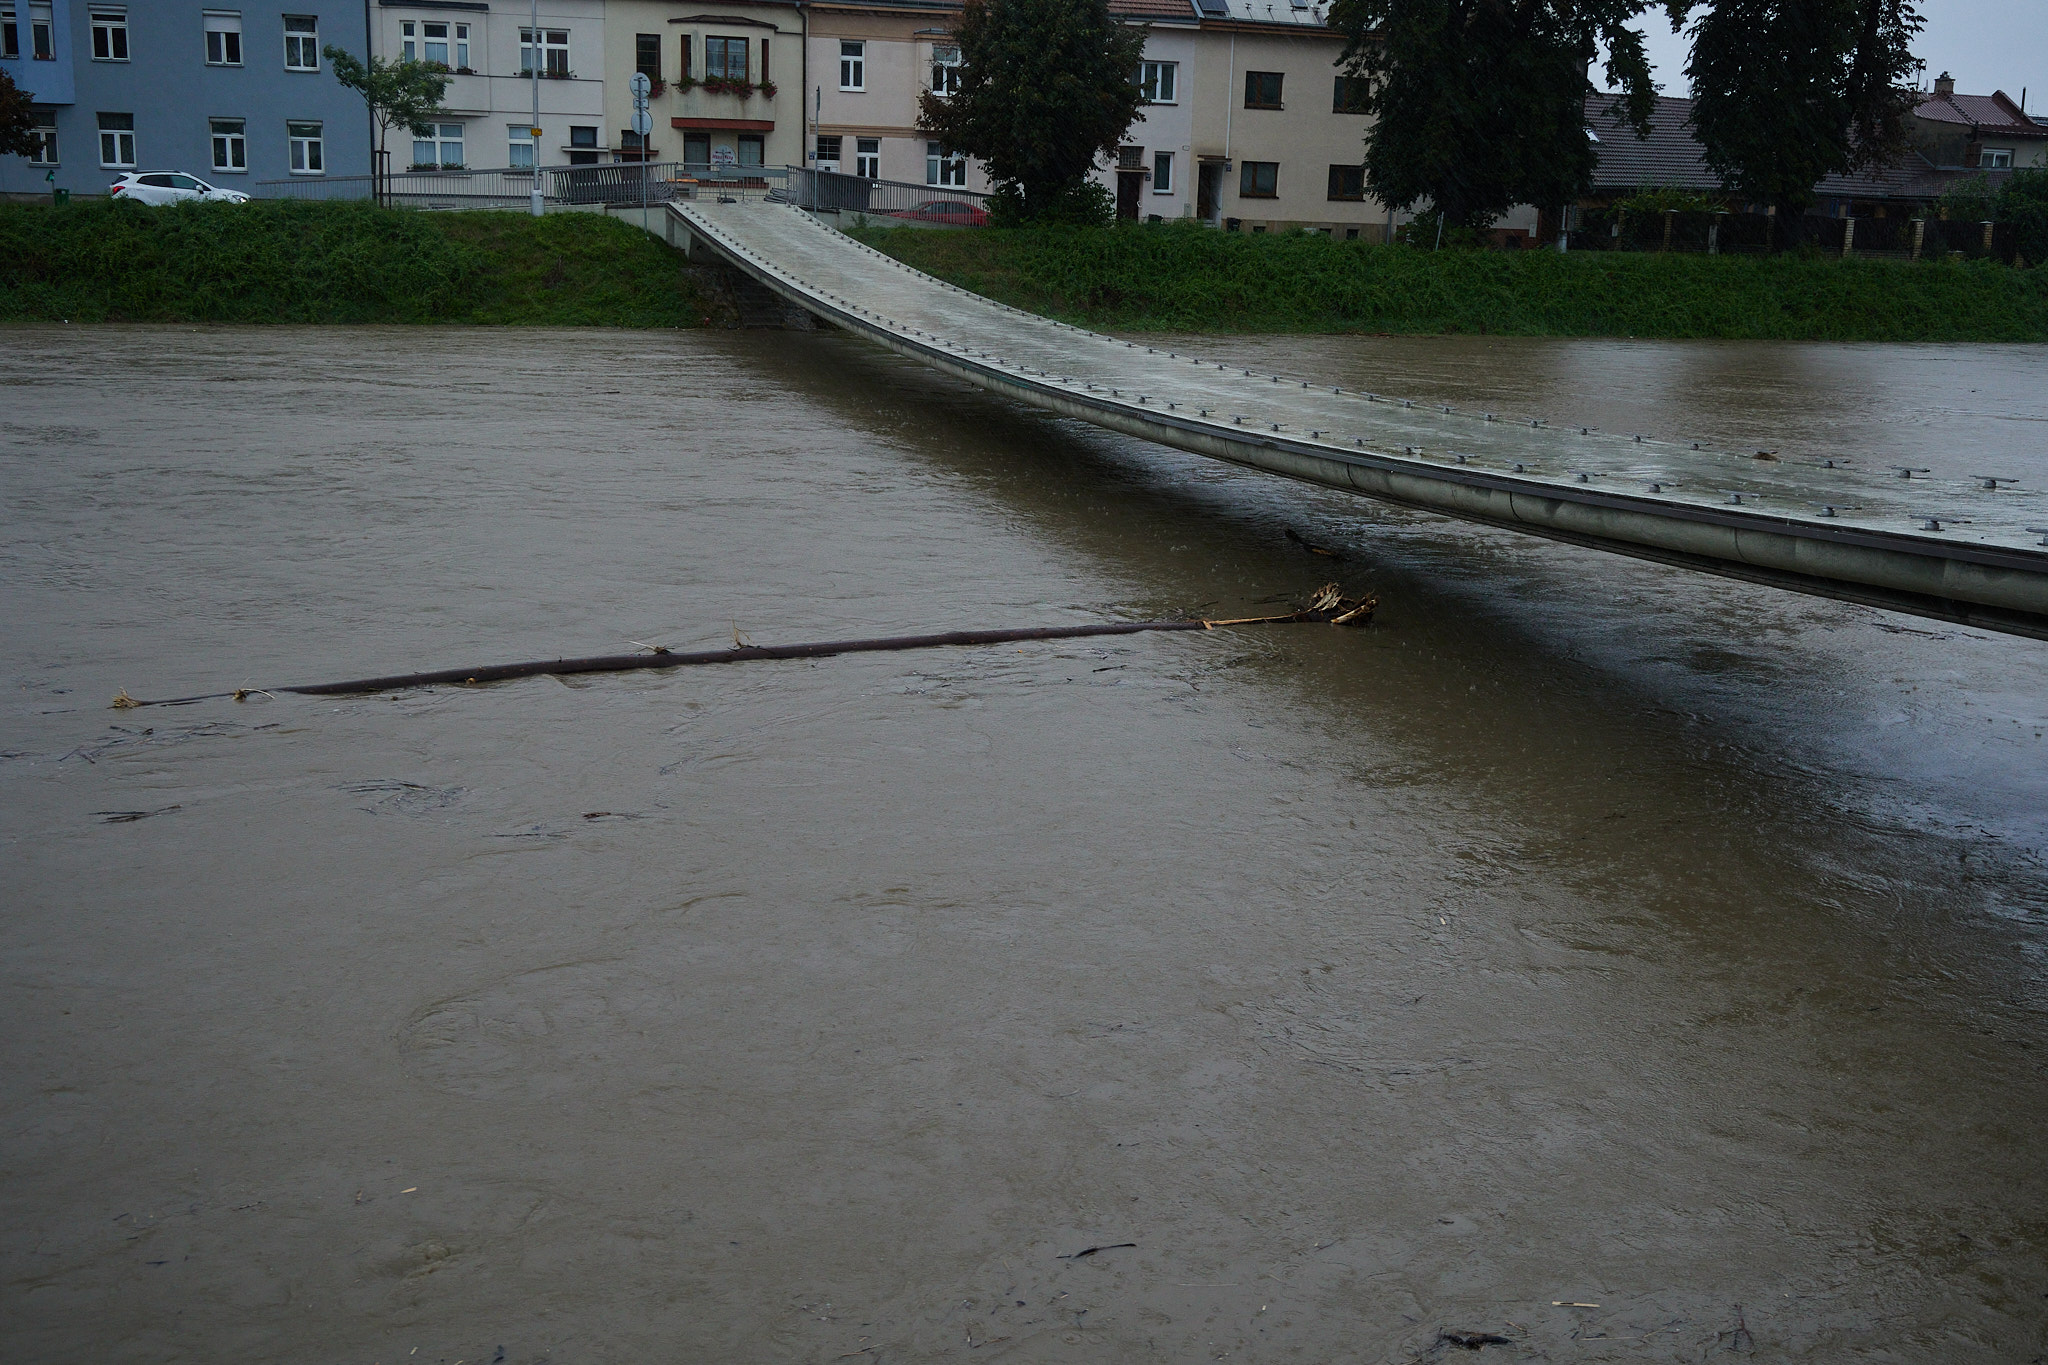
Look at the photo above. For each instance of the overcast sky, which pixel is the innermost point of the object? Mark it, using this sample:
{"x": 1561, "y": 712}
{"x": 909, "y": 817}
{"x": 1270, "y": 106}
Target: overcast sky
{"x": 1988, "y": 45}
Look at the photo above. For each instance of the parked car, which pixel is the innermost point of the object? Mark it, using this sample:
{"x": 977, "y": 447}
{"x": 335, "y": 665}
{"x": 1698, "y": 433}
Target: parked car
{"x": 951, "y": 212}
{"x": 171, "y": 187}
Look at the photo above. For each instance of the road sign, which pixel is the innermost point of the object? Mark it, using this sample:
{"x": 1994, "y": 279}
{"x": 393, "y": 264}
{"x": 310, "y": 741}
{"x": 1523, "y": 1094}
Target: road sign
{"x": 643, "y": 122}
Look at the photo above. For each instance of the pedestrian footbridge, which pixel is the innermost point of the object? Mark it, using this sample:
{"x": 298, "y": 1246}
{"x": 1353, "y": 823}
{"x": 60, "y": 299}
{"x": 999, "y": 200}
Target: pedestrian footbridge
{"x": 1958, "y": 544}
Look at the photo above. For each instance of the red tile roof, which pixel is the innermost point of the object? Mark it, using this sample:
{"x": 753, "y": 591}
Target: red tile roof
{"x": 1180, "y": 10}
{"x": 1994, "y": 113}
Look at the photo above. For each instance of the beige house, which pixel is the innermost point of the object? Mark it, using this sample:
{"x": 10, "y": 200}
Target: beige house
{"x": 1276, "y": 144}
{"x": 489, "y": 101}
{"x": 727, "y": 81}
{"x": 869, "y": 66}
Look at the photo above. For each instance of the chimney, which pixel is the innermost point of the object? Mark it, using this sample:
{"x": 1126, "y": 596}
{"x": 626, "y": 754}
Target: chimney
{"x": 1944, "y": 86}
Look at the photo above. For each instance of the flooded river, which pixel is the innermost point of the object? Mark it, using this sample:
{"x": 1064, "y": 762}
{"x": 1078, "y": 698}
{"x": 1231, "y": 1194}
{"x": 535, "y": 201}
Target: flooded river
{"x": 1623, "y": 963}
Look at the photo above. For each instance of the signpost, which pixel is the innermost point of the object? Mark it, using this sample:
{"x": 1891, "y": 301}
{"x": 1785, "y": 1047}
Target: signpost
{"x": 643, "y": 124}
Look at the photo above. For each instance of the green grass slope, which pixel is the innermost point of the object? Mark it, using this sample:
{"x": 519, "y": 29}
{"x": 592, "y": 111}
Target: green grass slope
{"x": 1189, "y": 279}
{"x": 284, "y": 261}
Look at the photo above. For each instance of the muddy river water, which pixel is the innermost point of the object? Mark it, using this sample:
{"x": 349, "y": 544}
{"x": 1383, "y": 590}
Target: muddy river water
{"x": 1622, "y": 963}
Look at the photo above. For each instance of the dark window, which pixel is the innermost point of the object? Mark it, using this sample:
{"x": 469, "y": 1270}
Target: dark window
{"x": 764, "y": 61}
{"x": 725, "y": 59}
{"x": 1259, "y": 180}
{"x": 697, "y": 149}
{"x": 583, "y": 137}
{"x": 828, "y": 149}
{"x": 1347, "y": 182}
{"x": 1350, "y": 95}
{"x": 10, "y": 35}
{"x": 110, "y": 35}
{"x": 647, "y": 55}
{"x": 683, "y": 68}
{"x": 752, "y": 149}
{"x": 1262, "y": 89}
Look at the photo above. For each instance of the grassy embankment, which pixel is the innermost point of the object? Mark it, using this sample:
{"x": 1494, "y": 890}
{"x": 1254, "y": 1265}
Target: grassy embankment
{"x": 281, "y": 261}
{"x": 346, "y": 262}
{"x": 1182, "y": 278}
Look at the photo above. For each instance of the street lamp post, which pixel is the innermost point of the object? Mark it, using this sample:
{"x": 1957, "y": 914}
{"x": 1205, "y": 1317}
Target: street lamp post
{"x": 534, "y": 49}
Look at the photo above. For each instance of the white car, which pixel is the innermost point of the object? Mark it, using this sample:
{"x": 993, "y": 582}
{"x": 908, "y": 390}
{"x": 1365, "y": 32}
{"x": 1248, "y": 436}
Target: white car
{"x": 171, "y": 187}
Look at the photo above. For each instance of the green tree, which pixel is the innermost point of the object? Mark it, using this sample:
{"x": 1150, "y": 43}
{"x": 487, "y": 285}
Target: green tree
{"x": 2023, "y": 202}
{"x": 1786, "y": 92}
{"x": 1479, "y": 105}
{"x": 397, "y": 93}
{"x": 1046, "y": 87}
{"x": 17, "y": 125}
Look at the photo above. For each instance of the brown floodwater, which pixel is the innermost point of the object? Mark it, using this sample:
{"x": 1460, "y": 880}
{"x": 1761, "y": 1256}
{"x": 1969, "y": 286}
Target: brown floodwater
{"x": 1624, "y": 963}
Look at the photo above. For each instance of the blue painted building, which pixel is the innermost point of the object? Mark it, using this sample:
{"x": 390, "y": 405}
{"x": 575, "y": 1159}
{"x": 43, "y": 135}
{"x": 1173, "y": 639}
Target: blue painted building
{"x": 234, "y": 91}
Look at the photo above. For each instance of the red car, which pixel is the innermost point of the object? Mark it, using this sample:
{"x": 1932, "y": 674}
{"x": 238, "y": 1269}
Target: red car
{"x": 950, "y": 212}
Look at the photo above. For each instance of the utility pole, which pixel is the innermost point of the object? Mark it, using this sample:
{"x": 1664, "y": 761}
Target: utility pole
{"x": 539, "y": 204}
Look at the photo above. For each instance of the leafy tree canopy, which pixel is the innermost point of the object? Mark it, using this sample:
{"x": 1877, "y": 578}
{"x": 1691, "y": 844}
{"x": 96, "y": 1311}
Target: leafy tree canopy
{"x": 1046, "y": 87}
{"x": 1786, "y": 92}
{"x": 17, "y": 128}
{"x": 2023, "y": 202}
{"x": 1479, "y": 105}
{"x": 399, "y": 93}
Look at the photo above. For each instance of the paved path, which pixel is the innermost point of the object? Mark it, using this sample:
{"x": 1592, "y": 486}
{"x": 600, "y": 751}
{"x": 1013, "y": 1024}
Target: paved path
{"x": 1949, "y": 540}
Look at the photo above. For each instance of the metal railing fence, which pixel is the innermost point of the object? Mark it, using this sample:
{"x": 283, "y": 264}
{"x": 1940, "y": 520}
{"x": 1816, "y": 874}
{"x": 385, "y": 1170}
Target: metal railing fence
{"x": 1902, "y": 238}
{"x": 938, "y": 205}
{"x": 610, "y": 183}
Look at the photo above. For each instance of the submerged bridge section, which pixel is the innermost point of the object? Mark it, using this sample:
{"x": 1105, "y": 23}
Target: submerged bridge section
{"x": 1960, "y": 545}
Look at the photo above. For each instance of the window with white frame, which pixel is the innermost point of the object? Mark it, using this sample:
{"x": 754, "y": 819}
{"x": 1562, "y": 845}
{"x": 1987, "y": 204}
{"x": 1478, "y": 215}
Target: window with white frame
{"x": 10, "y": 32}
{"x": 943, "y": 167}
{"x": 853, "y": 65}
{"x": 1996, "y": 159}
{"x": 946, "y": 69}
{"x": 867, "y": 158}
{"x": 441, "y": 149}
{"x": 520, "y": 146}
{"x": 43, "y": 132}
{"x": 1157, "y": 80}
{"x": 827, "y": 155}
{"x": 42, "y": 31}
{"x": 223, "y": 37}
{"x": 1162, "y": 172}
{"x": 308, "y": 147}
{"x": 301, "y": 42}
{"x": 109, "y": 34}
{"x": 117, "y": 140}
{"x": 554, "y": 52}
{"x": 230, "y": 146}
{"x": 447, "y": 44}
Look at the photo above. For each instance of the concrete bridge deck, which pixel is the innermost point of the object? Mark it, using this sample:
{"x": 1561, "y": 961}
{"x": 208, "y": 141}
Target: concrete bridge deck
{"x": 1949, "y": 541}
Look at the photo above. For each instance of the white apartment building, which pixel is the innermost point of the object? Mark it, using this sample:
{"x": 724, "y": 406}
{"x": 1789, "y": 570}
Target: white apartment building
{"x": 490, "y": 99}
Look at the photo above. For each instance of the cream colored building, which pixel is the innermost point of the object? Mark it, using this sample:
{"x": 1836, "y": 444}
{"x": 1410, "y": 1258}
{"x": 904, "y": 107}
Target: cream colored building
{"x": 490, "y": 97}
{"x": 1273, "y": 145}
{"x": 728, "y": 79}
{"x": 869, "y": 66}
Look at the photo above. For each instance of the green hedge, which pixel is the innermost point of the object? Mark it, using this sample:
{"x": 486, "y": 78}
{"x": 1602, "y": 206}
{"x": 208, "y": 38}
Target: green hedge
{"x": 283, "y": 261}
{"x": 1179, "y": 277}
